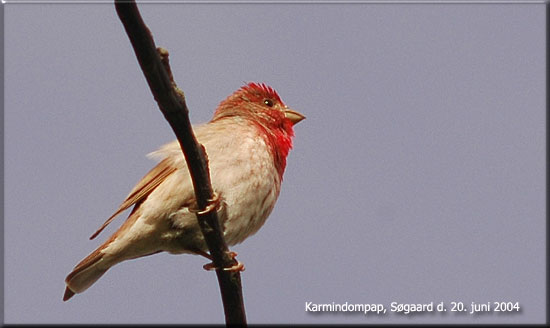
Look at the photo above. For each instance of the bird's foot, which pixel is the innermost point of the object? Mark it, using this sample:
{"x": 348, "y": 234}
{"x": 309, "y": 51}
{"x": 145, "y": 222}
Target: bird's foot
{"x": 239, "y": 267}
{"x": 213, "y": 205}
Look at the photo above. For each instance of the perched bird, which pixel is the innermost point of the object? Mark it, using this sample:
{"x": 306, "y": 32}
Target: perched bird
{"x": 247, "y": 142}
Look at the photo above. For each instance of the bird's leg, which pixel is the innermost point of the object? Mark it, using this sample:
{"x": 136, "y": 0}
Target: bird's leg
{"x": 202, "y": 253}
{"x": 213, "y": 205}
{"x": 239, "y": 267}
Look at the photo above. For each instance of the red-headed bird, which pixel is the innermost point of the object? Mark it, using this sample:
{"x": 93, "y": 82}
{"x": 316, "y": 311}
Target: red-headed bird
{"x": 247, "y": 142}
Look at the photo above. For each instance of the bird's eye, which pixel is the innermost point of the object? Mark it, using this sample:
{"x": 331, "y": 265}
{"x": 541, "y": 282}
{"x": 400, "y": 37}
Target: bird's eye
{"x": 268, "y": 102}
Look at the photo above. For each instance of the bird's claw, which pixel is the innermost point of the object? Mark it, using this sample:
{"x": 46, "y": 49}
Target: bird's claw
{"x": 239, "y": 267}
{"x": 213, "y": 204}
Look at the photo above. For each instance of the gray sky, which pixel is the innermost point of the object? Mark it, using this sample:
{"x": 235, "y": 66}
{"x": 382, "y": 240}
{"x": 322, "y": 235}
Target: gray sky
{"x": 418, "y": 175}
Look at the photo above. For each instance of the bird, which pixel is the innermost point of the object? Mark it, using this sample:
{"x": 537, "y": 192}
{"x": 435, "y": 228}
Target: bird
{"x": 247, "y": 142}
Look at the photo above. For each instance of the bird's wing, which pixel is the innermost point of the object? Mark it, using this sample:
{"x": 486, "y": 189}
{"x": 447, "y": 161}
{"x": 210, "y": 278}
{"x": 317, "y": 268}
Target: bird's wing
{"x": 143, "y": 188}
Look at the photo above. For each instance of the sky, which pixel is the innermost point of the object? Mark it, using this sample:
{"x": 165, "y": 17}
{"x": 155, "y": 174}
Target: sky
{"x": 417, "y": 177}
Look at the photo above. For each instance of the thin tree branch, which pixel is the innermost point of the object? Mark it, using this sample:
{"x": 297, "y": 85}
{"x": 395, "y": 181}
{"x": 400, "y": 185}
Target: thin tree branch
{"x": 171, "y": 102}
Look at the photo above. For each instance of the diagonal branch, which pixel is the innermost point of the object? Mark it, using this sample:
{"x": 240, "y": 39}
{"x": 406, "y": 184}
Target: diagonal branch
{"x": 171, "y": 102}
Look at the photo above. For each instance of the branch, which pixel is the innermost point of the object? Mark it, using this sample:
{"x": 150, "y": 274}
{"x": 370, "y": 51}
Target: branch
{"x": 171, "y": 102}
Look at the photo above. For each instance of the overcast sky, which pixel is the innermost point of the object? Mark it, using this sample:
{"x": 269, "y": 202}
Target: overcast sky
{"x": 418, "y": 175}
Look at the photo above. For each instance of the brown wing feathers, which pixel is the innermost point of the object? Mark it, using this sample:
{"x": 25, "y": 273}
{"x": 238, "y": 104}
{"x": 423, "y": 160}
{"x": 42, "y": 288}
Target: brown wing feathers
{"x": 144, "y": 187}
{"x": 149, "y": 182}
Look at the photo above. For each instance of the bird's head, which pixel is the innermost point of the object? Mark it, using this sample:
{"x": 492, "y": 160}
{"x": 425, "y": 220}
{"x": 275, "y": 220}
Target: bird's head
{"x": 260, "y": 105}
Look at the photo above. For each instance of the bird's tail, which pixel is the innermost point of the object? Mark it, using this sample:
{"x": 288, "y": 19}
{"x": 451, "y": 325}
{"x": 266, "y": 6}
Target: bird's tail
{"x": 124, "y": 244}
{"x": 88, "y": 271}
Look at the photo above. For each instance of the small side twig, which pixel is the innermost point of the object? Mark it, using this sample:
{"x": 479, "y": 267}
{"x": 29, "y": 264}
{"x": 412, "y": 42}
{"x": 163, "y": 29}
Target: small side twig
{"x": 171, "y": 101}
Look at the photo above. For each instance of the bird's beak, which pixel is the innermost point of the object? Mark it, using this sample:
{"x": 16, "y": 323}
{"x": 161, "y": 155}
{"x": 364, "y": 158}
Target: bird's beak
{"x": 293, "y": 116}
